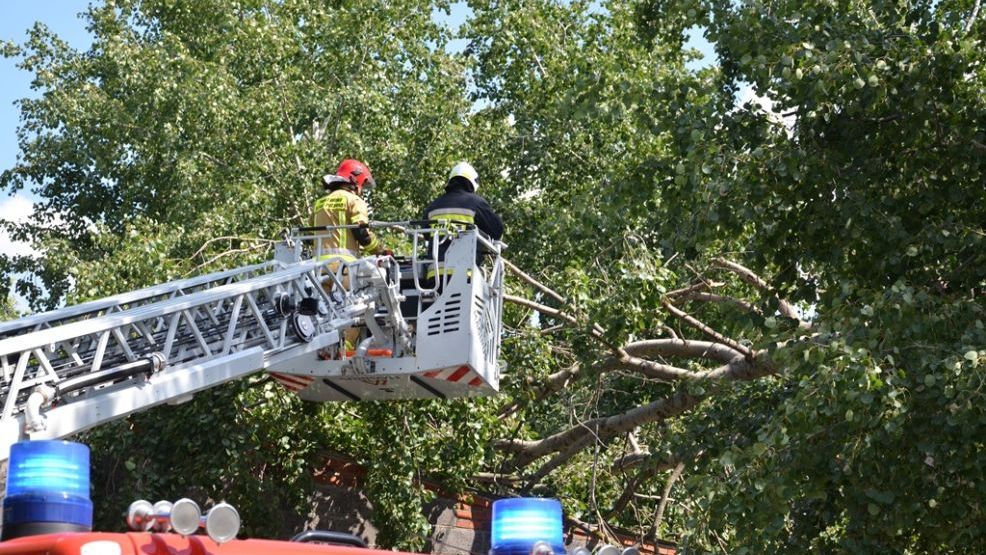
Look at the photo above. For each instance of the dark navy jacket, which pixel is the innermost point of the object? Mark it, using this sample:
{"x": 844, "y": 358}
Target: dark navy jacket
{"x": 460, "y": 205}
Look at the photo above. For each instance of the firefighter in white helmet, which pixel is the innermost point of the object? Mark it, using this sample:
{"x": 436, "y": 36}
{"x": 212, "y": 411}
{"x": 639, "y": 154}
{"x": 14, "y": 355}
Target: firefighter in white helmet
{"x": 460, "y": 207}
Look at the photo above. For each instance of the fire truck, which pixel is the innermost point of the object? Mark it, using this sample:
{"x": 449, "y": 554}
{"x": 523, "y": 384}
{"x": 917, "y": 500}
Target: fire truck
{"x": 423, "y": 325}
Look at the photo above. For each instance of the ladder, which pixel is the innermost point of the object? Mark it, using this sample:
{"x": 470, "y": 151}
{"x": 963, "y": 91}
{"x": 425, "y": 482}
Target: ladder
{"x": 68, "y": 370}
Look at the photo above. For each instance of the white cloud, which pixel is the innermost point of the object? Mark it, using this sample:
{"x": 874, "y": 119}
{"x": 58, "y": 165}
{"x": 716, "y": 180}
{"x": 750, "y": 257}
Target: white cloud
{"x": 17, "y": 208}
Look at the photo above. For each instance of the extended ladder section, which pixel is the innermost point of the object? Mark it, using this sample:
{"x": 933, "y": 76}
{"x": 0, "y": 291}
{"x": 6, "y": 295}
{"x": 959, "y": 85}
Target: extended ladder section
{"x": 426, "y": 325}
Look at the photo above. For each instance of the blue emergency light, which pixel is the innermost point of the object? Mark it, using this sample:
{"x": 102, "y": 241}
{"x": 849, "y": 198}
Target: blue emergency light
{"x": 520, "y": 523}
{"x": 47, "y": 489}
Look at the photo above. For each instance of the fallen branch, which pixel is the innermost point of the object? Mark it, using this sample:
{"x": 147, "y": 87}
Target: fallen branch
{"x": 526, "y": 451}
{"x": 543, "y": 309}
{"x": 531, "y": 281}
{"x": 663, "y": 504}
{"x": 594, "y": 329}
{"x": 681, "y": 348}
{"x": 656, "y": 370}
{"x": 631, "y": 359}
{"x": 684, "y": 348}
{"x": 749, "y": 276}
{"x": 695, "y": 323}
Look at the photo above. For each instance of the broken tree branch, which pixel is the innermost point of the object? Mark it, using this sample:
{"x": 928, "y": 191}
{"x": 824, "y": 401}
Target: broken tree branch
{"x": 695, "y": 323}
{"x": 749, "y": 276}
{"x": 684, "y": 348}
{"x": 531, "y": 281}
{"x": 679, "y": 348}
{"x": 526, "y": 451}
{"x": 594, "y": 329}
{"x": 663, "y": 504}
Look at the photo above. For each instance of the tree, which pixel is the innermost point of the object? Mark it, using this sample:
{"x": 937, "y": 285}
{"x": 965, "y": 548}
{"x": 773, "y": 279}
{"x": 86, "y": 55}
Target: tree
{"x": 770, "y": 337}
{"x": 7, "y": 310}
{"x": 860, "y": 216}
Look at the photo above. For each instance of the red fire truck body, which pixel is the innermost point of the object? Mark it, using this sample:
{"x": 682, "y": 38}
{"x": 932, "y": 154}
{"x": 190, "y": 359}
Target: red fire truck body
{"x": 144, "y": 543}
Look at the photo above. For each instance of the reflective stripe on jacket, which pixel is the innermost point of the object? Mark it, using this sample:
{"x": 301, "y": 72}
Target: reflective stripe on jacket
{"x": 460, "y": 206}
{"x": 343, "y": 207}
{"x": 345, "y": 255}
{"x": 456, "y": 208}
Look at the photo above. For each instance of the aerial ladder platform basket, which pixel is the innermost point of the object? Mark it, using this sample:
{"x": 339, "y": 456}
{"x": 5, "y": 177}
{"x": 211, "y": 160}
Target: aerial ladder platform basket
{"x": 427, "y": 325}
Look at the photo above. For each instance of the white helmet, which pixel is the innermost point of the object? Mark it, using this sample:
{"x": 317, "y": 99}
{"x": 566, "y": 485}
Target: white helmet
{"x": 467, "y": 172}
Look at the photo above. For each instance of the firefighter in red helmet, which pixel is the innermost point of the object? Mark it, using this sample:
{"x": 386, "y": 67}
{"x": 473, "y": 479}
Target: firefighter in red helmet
{"x": 344, "y": 205}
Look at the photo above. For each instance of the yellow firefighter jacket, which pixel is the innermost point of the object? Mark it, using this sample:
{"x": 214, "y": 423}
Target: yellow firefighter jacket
{"x": 343, "y": 207}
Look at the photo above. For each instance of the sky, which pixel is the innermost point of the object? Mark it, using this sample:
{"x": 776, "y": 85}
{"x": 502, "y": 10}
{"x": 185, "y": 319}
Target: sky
{"x": 62, "y": 17}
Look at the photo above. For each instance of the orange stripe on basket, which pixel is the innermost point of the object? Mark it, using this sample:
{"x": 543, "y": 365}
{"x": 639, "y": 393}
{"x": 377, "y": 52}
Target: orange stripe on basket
{"x": 373, "y": 353}
{"x": 458, "y": 374}
{"x": 432, "y": 374}
{"x": 476, "y": 381}
{"x": 290, "y": 386}
{"x": 299, "y": 381}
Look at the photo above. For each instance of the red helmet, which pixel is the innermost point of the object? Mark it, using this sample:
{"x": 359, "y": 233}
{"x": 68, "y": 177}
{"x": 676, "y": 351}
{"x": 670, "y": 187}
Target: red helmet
{"x": 351, "y": 172}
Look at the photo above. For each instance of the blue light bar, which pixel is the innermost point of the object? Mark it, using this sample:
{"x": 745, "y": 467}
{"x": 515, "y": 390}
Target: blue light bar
{"x": 520, "y": 523}
{"x": 47, "y": 488}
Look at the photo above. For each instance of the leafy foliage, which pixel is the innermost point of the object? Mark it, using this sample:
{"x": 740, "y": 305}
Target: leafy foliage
{"x": 7, "y": 310}
{"x": 838, "y": 402}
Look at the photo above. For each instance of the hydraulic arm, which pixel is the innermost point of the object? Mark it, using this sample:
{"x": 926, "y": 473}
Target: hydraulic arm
{"x": 71, "y": 369}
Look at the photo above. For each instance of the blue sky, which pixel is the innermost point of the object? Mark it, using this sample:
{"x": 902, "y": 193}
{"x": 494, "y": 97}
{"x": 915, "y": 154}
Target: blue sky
{"x": 61, "y": 16}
